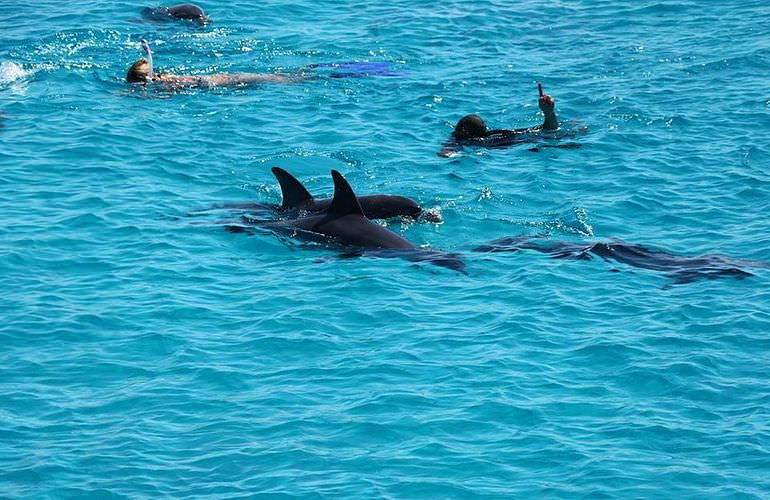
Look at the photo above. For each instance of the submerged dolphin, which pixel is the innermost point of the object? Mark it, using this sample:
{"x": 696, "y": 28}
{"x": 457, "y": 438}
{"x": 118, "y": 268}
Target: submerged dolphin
{"x": 343, "y": 223}
{"x": 295, "y": 198}
{"x": 680, "y": 269}
{"x": 182, "y": 11}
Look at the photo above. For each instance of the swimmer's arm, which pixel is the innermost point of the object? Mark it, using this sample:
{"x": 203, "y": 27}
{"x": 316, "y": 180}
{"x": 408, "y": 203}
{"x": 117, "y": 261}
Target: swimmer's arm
{"x": 547, "y": 105}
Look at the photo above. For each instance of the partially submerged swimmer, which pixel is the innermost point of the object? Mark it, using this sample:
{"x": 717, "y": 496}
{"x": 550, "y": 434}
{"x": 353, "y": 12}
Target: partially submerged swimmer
{"x": 185, "y": 11}
{"x": 471, "y": 130}
{"x": 141, "y": 72}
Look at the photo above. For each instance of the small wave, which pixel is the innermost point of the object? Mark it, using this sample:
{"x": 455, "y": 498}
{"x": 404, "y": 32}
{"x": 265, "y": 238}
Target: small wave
{"x": 11, "y": 72}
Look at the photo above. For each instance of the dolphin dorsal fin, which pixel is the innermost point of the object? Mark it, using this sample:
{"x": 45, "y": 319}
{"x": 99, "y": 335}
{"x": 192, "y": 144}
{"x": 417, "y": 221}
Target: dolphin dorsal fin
{"x": 345, "y": 201}
{"x": 293, "y": 193}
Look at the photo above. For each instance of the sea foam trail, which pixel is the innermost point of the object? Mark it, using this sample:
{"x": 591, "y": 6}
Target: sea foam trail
{"x": 11, "y": 72}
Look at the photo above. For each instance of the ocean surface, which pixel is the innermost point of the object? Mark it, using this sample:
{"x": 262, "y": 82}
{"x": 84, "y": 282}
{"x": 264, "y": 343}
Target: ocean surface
{"x": 147, "y": 352}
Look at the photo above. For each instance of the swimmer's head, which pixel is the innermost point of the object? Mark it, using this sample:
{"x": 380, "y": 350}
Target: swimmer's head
{"x": 139, "y": 72}
{"x": 470, "y": 127}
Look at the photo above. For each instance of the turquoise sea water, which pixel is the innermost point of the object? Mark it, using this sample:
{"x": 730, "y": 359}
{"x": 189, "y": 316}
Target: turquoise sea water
{"x": 147, "y": 353}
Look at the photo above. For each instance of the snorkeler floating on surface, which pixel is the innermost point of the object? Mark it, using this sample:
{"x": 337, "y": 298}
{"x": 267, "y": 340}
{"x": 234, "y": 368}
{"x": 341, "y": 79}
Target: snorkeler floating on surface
{"x": 471, "y": 130}
{"x": 142, "y": 72}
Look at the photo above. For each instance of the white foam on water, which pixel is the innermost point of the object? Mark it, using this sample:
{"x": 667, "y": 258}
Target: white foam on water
{"x": 11, "y": 72}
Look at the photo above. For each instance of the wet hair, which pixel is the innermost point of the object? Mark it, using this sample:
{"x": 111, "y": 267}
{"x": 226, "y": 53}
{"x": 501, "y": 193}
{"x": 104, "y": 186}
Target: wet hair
{"x": 470, "y": 127}
{"x": 138, "y": 72}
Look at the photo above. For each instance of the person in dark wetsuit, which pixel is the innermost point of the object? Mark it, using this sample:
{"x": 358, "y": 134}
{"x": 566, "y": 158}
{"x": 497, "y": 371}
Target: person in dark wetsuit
{"x": 471, "y": 130}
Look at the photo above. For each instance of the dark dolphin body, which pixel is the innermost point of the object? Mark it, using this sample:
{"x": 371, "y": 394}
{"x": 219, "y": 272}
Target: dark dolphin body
{"x": 680, "y": 269}
{"x": 344, "y": 224}
{"x": 294, "y": 196}
{"x": 344, "y": 221}
{"x": 186, "y": 11}
{"x": 296, "y": 199}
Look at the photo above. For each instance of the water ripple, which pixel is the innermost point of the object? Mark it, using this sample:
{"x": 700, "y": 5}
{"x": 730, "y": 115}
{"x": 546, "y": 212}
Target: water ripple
{"x": 148, "y": 353}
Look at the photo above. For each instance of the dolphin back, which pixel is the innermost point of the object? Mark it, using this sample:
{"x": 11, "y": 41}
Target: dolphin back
{"x": 293, "y": 194}
{"x": 345, "y": 201}
{"x": 379, "y": 206}
{"x": 188, "y": 11}
{"x": 385, "y": 206}
{"x": 185, "y": 11}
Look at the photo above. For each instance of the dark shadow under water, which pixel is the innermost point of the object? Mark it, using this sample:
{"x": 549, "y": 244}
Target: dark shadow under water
{"x": 680, "y": 269}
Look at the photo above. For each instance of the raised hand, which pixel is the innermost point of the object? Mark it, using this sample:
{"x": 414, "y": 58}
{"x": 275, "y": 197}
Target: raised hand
{"x": 547, "y": 105}
{"x": 545, "y": 101}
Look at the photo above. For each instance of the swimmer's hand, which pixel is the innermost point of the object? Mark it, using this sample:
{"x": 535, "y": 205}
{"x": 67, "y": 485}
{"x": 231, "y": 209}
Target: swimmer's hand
{"x": 546, "y": 103}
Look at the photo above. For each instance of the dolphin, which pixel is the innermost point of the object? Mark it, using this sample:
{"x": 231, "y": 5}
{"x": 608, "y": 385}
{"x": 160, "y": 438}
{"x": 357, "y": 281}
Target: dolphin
{"x": 344, "y": 224}
{"x": 186, "y": 11}
{"x": 681, "y": 269}
{"x": 294, "y": 196}
{"x": 295, "y": 199}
